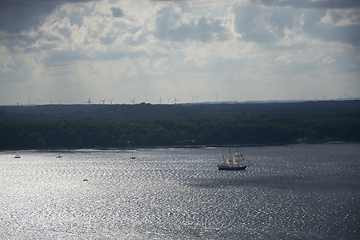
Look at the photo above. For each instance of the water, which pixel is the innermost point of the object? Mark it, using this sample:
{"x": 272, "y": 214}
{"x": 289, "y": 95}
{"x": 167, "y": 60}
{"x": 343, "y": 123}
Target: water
{"x": 290, "y": 192}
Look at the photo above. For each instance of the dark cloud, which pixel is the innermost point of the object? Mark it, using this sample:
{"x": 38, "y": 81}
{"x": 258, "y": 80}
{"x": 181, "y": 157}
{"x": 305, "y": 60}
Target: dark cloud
{"x": 324, "y": 4}
{"x": 344, "y": 34}
{"x": 166, "y": 18}
{"x": 168, "y": 26}
{"x": 117, "y": 12}
{"x": 282, "y": 18}
{"x": 252, "y": 22}
{"x": 19, "y": 15}
{"x": 108, "y": 39}
{"x": 315, "y": 29}
{"x": 267, "y": 25}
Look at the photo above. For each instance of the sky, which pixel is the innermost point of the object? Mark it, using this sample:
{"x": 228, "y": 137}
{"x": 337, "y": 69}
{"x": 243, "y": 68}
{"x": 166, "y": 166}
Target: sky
{"x": 67, "y": 51}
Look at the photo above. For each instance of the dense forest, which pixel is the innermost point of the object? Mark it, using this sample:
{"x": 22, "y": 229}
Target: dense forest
{"x": 275, "y": 124}
{"x": 173, "y": 111}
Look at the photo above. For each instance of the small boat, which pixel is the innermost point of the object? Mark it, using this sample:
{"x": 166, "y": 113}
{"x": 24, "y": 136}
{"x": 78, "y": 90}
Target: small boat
{"x": 132, "y": 156}
{"x": 59, "y": 156}
{"x": 238, "y": 162}
{"x": 17, "y": 155}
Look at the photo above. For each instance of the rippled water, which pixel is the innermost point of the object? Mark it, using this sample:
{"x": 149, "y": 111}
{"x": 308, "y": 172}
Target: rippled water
{"x": 289, "y": 192}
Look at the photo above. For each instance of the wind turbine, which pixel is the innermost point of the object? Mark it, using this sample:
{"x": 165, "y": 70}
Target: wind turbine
{"x": 216, "y": 97}
{"x": 110, "y": 100}
{"x": 196, "y": 97}
{"x": 38, "y": 102}
{"x": 168, "y": 100}
{"x": 160, "y": 100}
{"x": 192, "y": 97}
{"x": 59, "y": 101}
{"x": 103, "y": 101}
{"x": 316, "y": 97}
{"x": 175, "y": 100}
{"x": 133, "y": 100}
{"x": 302, "y": 98}
{"x": 88, "y": 101}
{"x": 324, "y": 97}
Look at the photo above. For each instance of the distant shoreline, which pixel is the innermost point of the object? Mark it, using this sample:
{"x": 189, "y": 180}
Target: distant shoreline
{"x": 188, "y": 146}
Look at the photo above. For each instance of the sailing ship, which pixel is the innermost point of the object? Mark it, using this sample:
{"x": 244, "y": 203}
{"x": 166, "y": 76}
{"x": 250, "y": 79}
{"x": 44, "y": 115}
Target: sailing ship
{"x": 233, "y": 162}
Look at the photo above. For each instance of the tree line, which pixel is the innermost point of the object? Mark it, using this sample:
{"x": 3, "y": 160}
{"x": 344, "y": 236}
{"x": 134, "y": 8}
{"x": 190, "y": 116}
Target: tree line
{"x": 243, "y": 129}
{"x": 95, "y": 112}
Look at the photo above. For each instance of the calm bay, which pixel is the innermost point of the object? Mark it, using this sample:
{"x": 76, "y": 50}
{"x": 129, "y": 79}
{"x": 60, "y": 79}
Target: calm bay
{"x": 298, "y": 191}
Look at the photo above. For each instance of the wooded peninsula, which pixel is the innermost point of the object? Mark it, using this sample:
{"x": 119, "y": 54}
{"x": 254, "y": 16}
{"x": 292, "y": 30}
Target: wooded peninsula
{"x": 146, "y": 125}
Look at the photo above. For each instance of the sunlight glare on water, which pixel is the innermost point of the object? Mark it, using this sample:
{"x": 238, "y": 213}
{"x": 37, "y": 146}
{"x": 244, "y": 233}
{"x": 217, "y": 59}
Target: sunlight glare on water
{"x": 294, "y": 191}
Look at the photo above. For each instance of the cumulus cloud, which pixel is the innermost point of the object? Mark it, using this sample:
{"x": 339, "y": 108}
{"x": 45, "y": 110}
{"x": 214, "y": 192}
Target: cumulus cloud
{"x": 341, "y": 17}
{"x": 320, "y": 29}
{"x": 171, "y": 26}
{"x": 252, "y": 23}
{"x": 325, "y": 20}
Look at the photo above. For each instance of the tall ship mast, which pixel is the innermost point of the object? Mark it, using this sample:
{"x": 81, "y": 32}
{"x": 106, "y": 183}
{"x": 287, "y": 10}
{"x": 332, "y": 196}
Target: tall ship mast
{"x": 233, "y": 162}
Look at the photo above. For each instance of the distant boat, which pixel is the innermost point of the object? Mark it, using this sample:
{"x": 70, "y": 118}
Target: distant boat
{"x": 132, "y": 156}
{"x": 59, "y": 156}
{"x": 17, "y": 155}
{"x": 238, "y": 162}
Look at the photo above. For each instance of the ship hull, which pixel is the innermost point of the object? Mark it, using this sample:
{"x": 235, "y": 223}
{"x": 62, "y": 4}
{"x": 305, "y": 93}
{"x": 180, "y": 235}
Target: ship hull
{"x": 231, "y": 168}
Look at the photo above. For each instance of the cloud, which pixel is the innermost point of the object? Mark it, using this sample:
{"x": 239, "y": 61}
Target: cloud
{"x": 341, "y": 17}
{"x": 260, "y": 24}
{"x": 316, "y": 27}
{"x": 20, "y": 15}
{"x": 252, "y": 23}
{"x": 328, "y": 60}
{"x": 170, "y": 25}
{"x": 117, "y": 12}
{"x": 205, "y": 47}
{"x": 108, "y": 39}
{"x": 320, "y": 4}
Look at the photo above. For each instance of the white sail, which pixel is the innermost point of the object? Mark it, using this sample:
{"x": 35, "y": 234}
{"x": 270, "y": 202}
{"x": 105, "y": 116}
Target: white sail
{"x": 227, "y": 160}
{"x": 240, "y": 157}
{"x": 234, "y": 161}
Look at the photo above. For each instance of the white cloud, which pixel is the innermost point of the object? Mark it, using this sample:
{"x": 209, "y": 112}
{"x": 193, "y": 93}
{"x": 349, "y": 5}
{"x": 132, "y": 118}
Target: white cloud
{"x": 6, "y": 59}
{"x": 341, "y": 17}
{"x": 328, "y": 60}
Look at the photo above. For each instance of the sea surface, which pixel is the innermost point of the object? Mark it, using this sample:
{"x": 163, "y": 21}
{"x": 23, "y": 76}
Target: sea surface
{"x": 289, "y": 192}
